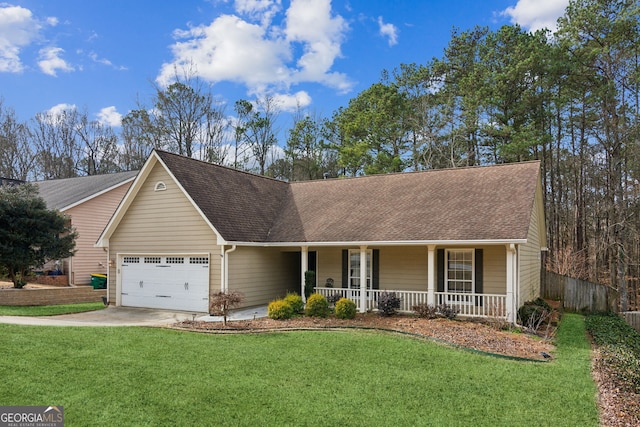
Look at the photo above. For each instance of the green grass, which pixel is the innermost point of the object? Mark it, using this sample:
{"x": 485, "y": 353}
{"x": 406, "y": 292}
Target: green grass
{"x": 49, "y": 310}
{"x": 143, "y": 376}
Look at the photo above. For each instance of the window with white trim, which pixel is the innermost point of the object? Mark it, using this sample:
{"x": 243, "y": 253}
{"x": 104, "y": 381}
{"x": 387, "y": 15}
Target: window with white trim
{"x": 160, "y": 186}
{"x": 459, "y": 270}
{"x": 354, "y": 268}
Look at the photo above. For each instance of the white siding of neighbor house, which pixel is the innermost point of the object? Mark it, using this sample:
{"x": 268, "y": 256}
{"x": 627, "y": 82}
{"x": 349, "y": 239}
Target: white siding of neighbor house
{"x": 163, "y": 222}
{"x": 263, "y": 274}
{"x": 89, "y": 219}
{"x": 530, "y": 256}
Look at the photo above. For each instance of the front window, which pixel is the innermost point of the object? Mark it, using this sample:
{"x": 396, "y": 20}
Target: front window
{"x": 354, "y": 269}
{"x": 459, "y": 271}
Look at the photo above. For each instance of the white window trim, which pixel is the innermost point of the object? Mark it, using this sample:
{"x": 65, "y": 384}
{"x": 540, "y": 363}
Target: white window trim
{"x": 160, "y": 186}
{"x": 369, "y": 273}
{"x": 452, "y": 299}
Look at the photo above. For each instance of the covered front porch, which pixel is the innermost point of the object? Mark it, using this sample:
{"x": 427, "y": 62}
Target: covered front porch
{"x": 478, "y": 280}
{"x": 467, "y": 304}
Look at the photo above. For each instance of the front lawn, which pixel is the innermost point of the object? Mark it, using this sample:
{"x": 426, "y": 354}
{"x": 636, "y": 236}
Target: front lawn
{"x": 144, "y": 376}
{"x": 49, "y": 310}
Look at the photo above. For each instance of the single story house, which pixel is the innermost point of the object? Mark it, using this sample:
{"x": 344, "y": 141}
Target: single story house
{"x": 469, "y": 237}
{"x": 89, "y": 201}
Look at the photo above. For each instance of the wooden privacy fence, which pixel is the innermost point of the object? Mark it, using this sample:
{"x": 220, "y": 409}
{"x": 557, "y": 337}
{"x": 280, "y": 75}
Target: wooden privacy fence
{"x": 577, "y": 295}
{"x": 632, "y": 318}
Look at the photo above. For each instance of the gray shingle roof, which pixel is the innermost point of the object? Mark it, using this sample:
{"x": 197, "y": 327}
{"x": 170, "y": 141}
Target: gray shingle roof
{"x": 240, "y": 205}
{"x": 62, "y": 193}
{"x": 476, "y": 203}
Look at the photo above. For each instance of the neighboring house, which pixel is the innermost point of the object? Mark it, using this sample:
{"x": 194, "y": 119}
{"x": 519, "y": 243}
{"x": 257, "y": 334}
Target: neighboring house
{"x": 469, "y": 237}
{"x": 89, "y": 201}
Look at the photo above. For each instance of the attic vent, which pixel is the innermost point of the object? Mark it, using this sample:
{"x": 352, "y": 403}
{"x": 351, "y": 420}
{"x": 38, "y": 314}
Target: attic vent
{"x": 160, "y": 186}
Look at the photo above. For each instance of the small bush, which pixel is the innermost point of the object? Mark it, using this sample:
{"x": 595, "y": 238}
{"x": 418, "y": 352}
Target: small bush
{"x": 295, "y": 301}
{"x": 345, "y": 309}
{"x": 317, "y": 306}
{"x": 221, "y": 302}
{"x": 309, "y": 282}
{"x": 448, "y": 311}
{"x": 425, "y": 311}
{"x": 388, "y": 303}
{"x": 534, "y": 313}
{"x": 334, "y": 298}
{"x": 428, "y": 311}
{"x": 279, "y": 310}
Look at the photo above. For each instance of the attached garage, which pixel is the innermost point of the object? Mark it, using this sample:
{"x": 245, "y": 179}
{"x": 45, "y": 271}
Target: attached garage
{"x": 167, "y": 281}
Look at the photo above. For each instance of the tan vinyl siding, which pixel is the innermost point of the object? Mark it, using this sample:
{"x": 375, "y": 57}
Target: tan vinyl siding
{"x": 263, "y": 274}
{"x": 89, "y": 219}
{"x": 163, "y": 222}
{"x": 530, "y": 256}
{"x": 329, "y": 265}
{"x": 403, "y": 268}
{"x": 495, "y": 269}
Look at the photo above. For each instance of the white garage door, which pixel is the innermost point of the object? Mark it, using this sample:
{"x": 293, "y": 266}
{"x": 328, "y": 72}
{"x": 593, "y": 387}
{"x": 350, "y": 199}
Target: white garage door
{"x": 175, "y": 282}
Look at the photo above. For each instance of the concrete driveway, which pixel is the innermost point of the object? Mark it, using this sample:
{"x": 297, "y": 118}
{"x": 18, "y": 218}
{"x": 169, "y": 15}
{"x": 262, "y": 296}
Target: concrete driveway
{"x": 129, "y": 316}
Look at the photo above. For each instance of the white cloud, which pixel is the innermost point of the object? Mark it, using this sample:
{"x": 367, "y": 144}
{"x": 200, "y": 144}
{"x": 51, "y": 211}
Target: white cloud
{"x": 388, "y": 30}
{"x": 59, "y": 109}
{"x": 310, "y": 23}
{"x": 291, "y": 103}
{"x": 262, "y": 10}
{"x": 50, "y": 61}
{"x": 18, "y": 29}
{"x": 110, "y": 116}
{"x": 261, "y": 54}
{"x": 95, "y": 58}
{"x": 534, "y": 15}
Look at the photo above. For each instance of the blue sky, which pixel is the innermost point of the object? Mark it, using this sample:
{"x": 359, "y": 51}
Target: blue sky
{"x": 102, "y": 56}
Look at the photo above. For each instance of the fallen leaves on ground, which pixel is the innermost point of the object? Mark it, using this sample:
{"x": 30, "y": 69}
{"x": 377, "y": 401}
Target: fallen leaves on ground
{"x": 467, "y": 334}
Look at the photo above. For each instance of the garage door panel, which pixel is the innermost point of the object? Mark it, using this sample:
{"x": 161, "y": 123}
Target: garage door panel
{"x": 175, "y": 282}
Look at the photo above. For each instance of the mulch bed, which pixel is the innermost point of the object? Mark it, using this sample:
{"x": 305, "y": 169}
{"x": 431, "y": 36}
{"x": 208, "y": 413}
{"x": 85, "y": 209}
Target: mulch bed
{"x": 467, "y": 334}
{"x": 619, "y": 404}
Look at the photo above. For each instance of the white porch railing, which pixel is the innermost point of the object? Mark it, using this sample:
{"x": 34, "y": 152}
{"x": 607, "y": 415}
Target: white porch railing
{"x": 470, "y": 305}
{"x": 475, "y": 305}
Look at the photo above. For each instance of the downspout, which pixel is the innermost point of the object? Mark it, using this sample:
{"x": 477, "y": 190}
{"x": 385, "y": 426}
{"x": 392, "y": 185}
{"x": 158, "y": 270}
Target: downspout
{"x": 225, "y": 282}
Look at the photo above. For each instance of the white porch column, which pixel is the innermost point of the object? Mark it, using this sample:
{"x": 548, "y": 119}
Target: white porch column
{"x": 431, "y": 276}
{"x": 511, "y": 282}
{"x": 363, "y": 279}
{"x": 304, "y": 266}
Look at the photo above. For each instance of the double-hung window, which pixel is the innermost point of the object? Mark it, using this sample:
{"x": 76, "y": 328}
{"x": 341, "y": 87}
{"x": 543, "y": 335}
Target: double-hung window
{"x": 354, "y": 268}
{"x": 459, "y": 272}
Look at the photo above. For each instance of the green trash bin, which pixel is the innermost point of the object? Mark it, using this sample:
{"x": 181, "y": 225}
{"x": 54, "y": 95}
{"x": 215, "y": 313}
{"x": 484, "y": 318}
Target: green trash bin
{"x": 99, "y": 281}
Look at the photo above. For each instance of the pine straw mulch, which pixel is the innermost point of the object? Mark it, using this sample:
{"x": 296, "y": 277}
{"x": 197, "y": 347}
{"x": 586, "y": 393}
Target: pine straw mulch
{"x": 466, "y": 334}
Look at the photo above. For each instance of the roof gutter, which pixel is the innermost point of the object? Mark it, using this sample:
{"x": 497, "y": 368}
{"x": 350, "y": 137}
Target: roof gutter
{"x": 384, "y": 243}
{"x": 224, "y": 271}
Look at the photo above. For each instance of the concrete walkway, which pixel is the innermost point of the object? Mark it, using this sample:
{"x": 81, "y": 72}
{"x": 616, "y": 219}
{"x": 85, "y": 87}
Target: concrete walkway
{"x": 129, "y": 316}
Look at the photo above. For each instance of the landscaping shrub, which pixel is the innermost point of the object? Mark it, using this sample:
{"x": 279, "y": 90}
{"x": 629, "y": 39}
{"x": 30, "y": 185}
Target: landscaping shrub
{"x": 620, "y": 347}
{"x": 317, "y": 306}
{"x": 534, "y": 313}
{"x": 448, "y": 311}
{"x": 426, "y": 311}
{"x": 334, "y": 298}
{"x": 309, "y": 282}
{"x": 388, "y": 303}
{"x": 221, "y": 302}
{"x": 295, "y": 301}
{"x": 279, "y": 310}
{"x": 345, "y": 309}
